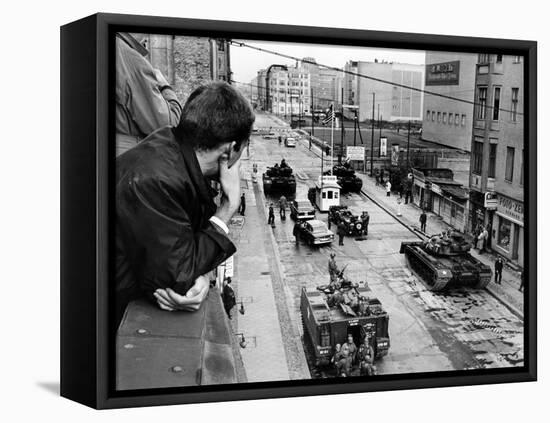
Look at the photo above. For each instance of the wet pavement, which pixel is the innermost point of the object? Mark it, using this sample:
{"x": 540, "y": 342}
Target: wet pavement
{"x": 461, "y": 329}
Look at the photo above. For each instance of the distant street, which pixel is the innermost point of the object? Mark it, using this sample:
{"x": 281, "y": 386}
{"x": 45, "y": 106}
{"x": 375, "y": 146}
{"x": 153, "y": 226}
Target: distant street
{"x": 463, "y": 329}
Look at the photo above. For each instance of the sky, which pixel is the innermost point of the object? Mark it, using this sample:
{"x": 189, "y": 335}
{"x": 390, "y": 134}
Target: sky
{"x": 245, "y": 62}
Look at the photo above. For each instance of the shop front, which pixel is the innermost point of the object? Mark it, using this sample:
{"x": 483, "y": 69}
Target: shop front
{"x": 508, "y": 238}
{"x": 450, "y": 202}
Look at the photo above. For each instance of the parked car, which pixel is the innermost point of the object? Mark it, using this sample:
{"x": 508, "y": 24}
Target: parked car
{"x": 301, "y": 210}
{"x": 315, "y": 232}
{"x": 270, "y": 136}
{"x": 290, "y": 142}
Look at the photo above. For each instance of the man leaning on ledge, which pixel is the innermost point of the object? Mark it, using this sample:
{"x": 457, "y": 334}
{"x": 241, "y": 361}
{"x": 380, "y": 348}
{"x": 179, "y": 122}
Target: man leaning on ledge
{"x": 169, "y": 232}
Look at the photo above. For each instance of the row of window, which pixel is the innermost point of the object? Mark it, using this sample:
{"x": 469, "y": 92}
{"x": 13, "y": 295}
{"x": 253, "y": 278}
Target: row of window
{"x": 446, "y": 119}
{"x": 481, "y": 112}
{"x": 477, "y": 164}
{"x": 486, "y": 58}
{"x": 290, "y": 83}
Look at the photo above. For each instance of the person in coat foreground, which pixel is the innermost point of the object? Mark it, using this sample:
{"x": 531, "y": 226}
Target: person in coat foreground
{"x": 169, "y": 232}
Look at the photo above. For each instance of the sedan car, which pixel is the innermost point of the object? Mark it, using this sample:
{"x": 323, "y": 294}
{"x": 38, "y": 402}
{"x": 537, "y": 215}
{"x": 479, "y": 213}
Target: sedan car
{"x": 290, "y": 142}
{"x": 315, "y": 232}
{"x": 301, "y": 210}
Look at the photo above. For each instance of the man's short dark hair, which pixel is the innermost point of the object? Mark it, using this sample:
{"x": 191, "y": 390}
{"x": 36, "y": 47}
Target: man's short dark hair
{"x": 214, "y": 114}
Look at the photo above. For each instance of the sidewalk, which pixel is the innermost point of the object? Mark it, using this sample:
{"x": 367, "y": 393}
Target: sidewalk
{"x": 508, "y": 292}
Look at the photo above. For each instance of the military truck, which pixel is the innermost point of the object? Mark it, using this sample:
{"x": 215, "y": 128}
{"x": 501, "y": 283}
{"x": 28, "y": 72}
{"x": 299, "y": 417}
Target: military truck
{"x": 444, "y": 261}
{"x": 279, "y": 179}
{"x": 327, "y": 323}
{"x": 346, "y": 178}
{"x": 355, "y": 225}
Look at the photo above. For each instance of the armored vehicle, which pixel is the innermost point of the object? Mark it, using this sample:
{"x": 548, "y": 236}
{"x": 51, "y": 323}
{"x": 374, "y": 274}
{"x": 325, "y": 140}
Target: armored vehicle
{"x": 355, "y": 225}
{"x": 346, "y": 178}
{"x": 444, "y": 261}
{"x": 327, "y": 322}
{"x": 279, "y": 179}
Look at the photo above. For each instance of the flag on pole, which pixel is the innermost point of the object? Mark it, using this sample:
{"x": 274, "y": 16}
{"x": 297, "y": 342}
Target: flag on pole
{"x": 330, "y": 116}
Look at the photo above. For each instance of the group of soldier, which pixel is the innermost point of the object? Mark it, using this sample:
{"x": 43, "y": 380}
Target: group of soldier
{"x": 348, "y": 358}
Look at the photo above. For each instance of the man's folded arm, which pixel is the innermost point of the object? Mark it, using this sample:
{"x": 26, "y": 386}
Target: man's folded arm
{"x": 174, "y": 253}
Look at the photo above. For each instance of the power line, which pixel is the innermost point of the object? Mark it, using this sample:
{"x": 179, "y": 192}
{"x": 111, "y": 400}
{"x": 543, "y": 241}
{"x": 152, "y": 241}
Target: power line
{"x": 372, "y": 78}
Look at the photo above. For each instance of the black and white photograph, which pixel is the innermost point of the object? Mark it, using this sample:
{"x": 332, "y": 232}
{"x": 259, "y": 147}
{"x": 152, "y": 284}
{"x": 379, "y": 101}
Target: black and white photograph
{"x": 301, "y": 211}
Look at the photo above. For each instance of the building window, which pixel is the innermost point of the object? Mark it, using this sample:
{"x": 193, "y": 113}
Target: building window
{"x": 492, "y": 160}
{"x": 510, "y": 152}
{"x": 444, "y": 117}
{"x": 457, "y": 119}
{"x": 499, "y": 58}
{"x": 517, "y": 59}
{"x": 515, "y": 98}
{"x": 463, "y": 120}
{"x": 428, "y": 115}
{"x": 483, "y": 58}
{"x": 450, "y": 118}
{"x": 482, "y": 102}
{"x": 433, "y": 116}
{"x": 478, "y": 157}
{"x": 504, "y": 232}
{"x": 438, "y": 117}
{"x": 496, "y": 103}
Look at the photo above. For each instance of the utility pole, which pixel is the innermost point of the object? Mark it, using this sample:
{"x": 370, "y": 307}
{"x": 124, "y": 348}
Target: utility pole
{"x": 341, "y": 131}
{"x": 372, "y": 136}
{"x": 355, "y": 124}
{"x": 311, "y": 91}
{"x": 408, "y": 144}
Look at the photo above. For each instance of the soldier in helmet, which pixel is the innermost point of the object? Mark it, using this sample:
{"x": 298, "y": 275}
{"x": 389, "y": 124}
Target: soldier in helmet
{"x": 352, "y": 348}
{"x": 333, "y": 270}
{"x": 365, "y": 357}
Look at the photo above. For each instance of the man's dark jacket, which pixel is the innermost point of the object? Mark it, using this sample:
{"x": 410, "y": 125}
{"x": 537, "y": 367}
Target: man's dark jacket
{"x": 163, "y": 234}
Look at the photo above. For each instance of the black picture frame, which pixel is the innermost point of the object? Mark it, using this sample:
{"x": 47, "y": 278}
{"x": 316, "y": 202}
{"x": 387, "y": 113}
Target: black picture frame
{"x": 87, "y": 162}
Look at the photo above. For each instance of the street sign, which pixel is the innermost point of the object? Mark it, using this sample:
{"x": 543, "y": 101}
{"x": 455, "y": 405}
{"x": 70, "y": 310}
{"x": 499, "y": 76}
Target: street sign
{"x": 355, "y": 153}
{"x": 491, "y": 200}
{"x": 383, "y": 146}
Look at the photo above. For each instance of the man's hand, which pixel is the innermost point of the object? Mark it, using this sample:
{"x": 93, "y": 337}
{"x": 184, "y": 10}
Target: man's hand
{"x": 230, "y": 180}
{"x": 168, "y": 299}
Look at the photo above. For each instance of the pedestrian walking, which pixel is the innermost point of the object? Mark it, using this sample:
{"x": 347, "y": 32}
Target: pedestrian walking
{"x": 423, "y": 219}
{"x": 522, "y": 281}
{"x": 341, "y": 233}
{"x": 377, "y": 176}
{"x": 482, "y": 240}
{"x": 271, "y": 216}
{"x": 242, "y": 207}
{"x": 365, "y": 218}
{"x": 296, "y": 233}
{"x": 388, "y": 188}
{"x": 498, "y": 270}
{"x": 310, "y": 143}
{"x": 228, "y": 297}
{"x": 399, "y": 202}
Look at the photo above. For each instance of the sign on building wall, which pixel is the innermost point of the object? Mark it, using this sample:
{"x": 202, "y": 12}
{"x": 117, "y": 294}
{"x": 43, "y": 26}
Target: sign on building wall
{"x": 510, "y": 208}
{"x": 446, "y": 73}
{"x": 383, "y": 147}
{"x": 491, "y": 200}
{"x": 355, "y": 153}
{"x": 395, "y": 154}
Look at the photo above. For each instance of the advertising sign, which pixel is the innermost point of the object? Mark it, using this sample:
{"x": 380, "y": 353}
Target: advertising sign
{"x": 355, "y": 153}
{"x": 510, "y": 208}
{"x": 491, "y": 200}
{"x": 383, "y": 146}
{"x": 445, "y": 73}
{"x": 395, "y": 154}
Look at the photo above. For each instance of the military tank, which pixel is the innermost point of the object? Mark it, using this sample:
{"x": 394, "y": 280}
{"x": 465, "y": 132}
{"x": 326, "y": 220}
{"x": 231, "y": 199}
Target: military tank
{"x": 279, "y": 179}
{"x": 444, "y": 261}
{"x": 346, "y": 178}
{"x": 328, "y": 318}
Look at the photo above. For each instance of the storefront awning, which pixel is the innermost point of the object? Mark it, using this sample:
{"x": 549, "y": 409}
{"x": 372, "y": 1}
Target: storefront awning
{"x": 457, "y": 192}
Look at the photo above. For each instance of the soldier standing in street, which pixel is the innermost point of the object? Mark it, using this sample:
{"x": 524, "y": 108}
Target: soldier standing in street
{"x": 366, "y": 358}
{"x": 423, "y": 219}
{"x": 296, "y": 233}
{"x": 365, "y": 218}
{"x": 352, "y": 348}
{"x": 333, "y": 270}
{"x": 282, "y": 207}
{"x": 242, "y": 207}
{"x": 341, "y": 232}
{"x": 271, "y": 216}
{"x": 498, "y": 270}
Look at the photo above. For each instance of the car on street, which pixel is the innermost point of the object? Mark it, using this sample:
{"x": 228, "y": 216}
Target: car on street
{"x": 270, "y": 136}
{"x": 301, "y": 210}
{"x": 290, "y": 142}
{"x": 315, "y": 232}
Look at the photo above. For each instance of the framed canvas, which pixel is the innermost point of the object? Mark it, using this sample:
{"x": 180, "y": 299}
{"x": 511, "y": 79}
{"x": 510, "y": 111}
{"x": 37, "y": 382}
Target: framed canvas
{"x": 256, "y": 211}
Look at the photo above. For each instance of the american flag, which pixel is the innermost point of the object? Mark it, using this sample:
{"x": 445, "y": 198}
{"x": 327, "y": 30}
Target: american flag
{"x": 330, "y": 116}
